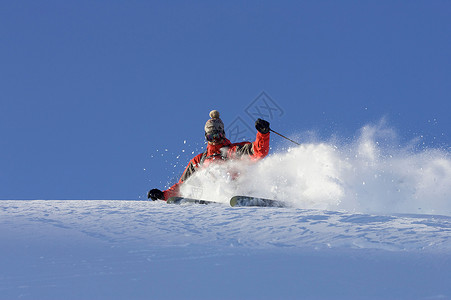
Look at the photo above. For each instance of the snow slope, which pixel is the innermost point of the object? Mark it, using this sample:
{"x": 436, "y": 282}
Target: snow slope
{"x": 368, "y": 219}
{"x": 152, "y": 250}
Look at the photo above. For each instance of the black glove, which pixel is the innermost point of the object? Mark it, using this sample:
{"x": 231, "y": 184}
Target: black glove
{"x": 262, "y": 126}
{"x": 155, "y": 194}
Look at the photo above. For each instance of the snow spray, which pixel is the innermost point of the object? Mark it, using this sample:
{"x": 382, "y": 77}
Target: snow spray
{"x": 371, "y": 174}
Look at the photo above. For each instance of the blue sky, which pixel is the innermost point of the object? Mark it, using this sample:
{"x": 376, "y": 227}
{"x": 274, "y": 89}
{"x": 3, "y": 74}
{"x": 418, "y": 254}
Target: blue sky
{"x": 93, "y": 92}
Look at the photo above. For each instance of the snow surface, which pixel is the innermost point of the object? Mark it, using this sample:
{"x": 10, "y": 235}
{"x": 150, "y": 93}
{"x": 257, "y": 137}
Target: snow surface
{"x": 367, "y": 220}
{"x": 102, "y": 249}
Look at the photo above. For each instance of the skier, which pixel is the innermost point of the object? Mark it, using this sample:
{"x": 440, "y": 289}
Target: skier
{"x": 219, "y": 148}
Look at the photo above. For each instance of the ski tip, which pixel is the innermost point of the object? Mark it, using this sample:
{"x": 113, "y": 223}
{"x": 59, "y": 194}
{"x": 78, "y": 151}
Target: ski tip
{"x": 234, "y": 201}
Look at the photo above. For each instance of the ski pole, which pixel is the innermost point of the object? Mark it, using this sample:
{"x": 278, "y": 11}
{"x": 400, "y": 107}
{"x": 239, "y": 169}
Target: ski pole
{"x": 284, "y": 137}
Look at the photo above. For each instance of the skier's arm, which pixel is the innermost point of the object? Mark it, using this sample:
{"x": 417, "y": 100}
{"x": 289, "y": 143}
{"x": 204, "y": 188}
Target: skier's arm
{"x": 261, "y": 144}
{"x": 260, "y": 147}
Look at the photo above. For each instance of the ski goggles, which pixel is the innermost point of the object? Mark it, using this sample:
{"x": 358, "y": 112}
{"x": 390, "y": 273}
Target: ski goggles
{"x": 215, "y": 136}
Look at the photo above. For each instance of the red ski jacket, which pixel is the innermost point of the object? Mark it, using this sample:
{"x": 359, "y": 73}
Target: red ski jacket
{"x": 221, "y": 152}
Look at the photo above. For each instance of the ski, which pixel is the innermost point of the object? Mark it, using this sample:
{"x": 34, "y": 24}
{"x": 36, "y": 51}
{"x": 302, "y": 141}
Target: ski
{"x": 183, "y": 200}
{"x": 255, "y": 201}
{"x": 234, "y": 201}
